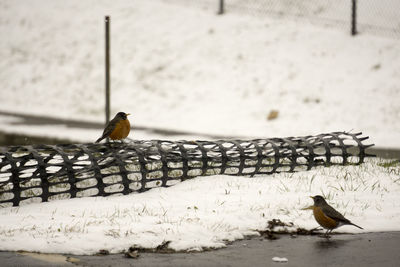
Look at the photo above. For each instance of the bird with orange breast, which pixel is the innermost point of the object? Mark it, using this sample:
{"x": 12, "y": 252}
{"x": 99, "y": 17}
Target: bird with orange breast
{"x": 118, "y": 128}
{"x": 327, "y": 216}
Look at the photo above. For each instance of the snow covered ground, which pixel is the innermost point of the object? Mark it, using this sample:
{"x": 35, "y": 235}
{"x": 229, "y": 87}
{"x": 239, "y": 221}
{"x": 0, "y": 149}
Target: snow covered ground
{"x": 185, "y": 68}
{"x": 205, "y": 212}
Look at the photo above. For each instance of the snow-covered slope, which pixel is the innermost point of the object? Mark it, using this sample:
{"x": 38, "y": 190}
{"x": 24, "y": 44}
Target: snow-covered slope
{"x": 186, "y": 68}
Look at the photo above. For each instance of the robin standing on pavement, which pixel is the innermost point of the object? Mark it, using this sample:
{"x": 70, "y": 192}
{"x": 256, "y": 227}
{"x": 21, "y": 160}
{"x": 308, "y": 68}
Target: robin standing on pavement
{"x": 118, "y": 128}
{"x": 328, "y": 217}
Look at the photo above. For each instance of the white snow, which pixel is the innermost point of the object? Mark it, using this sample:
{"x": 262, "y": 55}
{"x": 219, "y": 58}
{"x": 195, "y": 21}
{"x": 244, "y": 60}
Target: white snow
{"x": 185, "y": 68}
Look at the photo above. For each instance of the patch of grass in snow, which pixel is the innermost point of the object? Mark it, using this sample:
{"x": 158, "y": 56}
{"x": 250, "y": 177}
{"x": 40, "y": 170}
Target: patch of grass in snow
{"x": 391, "y": 167}
{"x": 389, "y": 163}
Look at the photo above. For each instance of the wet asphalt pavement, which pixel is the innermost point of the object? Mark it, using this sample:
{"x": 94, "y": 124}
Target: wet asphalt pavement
{"x": 370, "y": 249}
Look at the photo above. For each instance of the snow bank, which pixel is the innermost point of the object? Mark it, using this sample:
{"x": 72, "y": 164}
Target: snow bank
{"x": 205, "y": 212}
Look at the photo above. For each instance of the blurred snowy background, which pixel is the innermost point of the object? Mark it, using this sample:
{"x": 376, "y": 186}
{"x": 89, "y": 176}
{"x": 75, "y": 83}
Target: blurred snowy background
{"x": 177, "y": 65}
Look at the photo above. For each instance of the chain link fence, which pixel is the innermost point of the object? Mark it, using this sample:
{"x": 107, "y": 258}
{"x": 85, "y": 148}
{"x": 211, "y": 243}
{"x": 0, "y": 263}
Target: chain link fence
{"x": 41, "y": 173}
{"x": 379, "y": 17}
{"x": 372, "y": 16}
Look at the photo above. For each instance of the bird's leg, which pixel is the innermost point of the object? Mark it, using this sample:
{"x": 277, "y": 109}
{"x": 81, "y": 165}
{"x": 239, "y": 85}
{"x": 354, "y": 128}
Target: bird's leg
{"x": 327, "y": 233}
{"x": 113, "y": 143}
{"x": 324, "y": 234}
{"x": 108, "y": 143}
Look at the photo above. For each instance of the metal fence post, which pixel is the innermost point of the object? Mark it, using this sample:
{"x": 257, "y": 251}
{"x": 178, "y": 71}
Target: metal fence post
{"x": 353, "y": 17}
{"x": 107, "y": 63}
{"x": 221, "y": 8}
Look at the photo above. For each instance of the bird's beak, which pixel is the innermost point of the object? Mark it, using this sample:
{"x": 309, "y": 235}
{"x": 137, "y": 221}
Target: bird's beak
{"x": 310, "y": 207}
{"x": 127, "y": 114}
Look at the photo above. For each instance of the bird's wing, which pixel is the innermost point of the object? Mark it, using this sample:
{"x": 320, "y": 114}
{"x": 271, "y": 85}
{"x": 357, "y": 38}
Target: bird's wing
{"x": 109, "y": 128}
{"x": 334, "y": 214}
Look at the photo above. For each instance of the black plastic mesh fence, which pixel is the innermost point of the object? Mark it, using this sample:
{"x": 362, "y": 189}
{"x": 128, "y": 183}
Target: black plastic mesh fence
{"x": 375, "y": 16}
{"x": 48, "y": 172}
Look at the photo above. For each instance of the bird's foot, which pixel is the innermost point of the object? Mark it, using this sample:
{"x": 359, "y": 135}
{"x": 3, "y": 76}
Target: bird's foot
{"x": 324, "y": 236}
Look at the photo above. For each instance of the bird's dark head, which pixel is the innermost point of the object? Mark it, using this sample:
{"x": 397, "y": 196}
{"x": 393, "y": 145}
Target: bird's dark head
{"x": 318, "y": 200}
{"x": 122, "y": 115}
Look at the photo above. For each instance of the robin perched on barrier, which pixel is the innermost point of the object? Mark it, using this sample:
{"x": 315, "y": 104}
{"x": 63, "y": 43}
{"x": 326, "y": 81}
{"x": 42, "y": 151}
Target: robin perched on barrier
{"x": 327, "y": 216}
{"x": 118, "y": 128}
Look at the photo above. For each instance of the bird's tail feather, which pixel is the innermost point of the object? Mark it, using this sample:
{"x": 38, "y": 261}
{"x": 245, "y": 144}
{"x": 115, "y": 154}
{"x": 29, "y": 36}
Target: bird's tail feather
{"x": 357, "y": 226}
{"x": 98, "y": 140}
